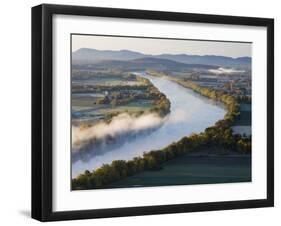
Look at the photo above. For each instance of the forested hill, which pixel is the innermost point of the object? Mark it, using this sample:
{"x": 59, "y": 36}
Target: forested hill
{"x": 93, "y": 55}
{"x": 142, "y": 64}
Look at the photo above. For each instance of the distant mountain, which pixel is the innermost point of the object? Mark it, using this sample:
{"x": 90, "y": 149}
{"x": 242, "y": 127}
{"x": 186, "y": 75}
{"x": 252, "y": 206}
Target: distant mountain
{"x": 87, "y": 55}
{"x": 93, "y": 55}
{"x": 144, "y": 63}
{"x": 209, "y": 60}
{"x": 151, "y": 61}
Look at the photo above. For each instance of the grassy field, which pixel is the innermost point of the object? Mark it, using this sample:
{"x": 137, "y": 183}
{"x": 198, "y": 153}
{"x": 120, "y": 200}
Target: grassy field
{"x": 86, "y": 105}
{"x": 245, "y": 118}
{"x": 130, "y": 108}
{"x": 242, "y": 125}
{"x": 188, "y": 170}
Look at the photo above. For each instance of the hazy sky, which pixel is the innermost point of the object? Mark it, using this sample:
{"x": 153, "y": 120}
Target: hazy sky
{"x": 159, "y": 46}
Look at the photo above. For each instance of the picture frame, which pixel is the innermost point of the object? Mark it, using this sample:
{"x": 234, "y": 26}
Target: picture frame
{"x": 43, "y": 50}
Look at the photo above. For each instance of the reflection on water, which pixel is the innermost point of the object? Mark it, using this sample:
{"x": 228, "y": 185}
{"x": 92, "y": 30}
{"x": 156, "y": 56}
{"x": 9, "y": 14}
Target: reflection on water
{"x": 190, "y": 113}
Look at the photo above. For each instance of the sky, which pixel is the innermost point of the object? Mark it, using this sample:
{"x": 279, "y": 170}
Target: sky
{"x": 160, "y": 46}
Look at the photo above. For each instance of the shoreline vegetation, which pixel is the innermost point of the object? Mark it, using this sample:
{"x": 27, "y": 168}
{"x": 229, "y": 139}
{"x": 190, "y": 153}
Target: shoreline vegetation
{"x": 218, "y": 136}
{"x": 114, "y": 103}
{"x": 137, "y": 89}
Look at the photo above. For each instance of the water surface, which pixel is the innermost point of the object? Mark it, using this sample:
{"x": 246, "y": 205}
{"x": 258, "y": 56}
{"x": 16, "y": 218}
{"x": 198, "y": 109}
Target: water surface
{"x": 190, "y": 113}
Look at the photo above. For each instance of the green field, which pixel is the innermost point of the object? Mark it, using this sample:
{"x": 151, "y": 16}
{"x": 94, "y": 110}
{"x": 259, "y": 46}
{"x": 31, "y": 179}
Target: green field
{"x": 188, "y": 170}
{"x": 245, "y": 117}
{"x": 89, "y": 93}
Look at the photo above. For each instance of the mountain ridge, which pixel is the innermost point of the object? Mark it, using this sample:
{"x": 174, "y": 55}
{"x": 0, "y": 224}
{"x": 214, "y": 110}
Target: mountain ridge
{"x": 91, "y": 55}
{"x": 143, "y": 64}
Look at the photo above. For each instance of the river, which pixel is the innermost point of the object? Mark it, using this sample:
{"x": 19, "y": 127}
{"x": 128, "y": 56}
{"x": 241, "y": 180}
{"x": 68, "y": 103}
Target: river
{"x": 190, "y": 113}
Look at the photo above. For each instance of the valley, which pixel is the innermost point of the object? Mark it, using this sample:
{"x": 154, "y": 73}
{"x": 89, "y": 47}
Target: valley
{"x": 147, "y": 120}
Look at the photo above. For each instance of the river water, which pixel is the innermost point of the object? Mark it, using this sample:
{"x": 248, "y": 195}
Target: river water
{"x": 190, "y": 113}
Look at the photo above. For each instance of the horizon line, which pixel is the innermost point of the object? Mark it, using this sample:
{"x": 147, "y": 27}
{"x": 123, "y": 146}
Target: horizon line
{"x": 165, "y": 53}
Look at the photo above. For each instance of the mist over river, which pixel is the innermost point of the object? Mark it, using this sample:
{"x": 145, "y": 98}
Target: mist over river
{"x": 190, "y": 113}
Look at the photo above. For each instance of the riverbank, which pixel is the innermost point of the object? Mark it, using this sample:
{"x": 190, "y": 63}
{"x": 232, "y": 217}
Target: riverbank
{"x": 98, "y": 97}
{"x": 218, "y": 136}
{"x": 108, "y": 111}
{"x": 190, "y": 113}
{"x": 191, "y": 169}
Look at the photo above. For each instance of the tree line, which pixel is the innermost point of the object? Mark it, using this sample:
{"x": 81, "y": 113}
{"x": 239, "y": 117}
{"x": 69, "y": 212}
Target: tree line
{"x": 219, "y": 135}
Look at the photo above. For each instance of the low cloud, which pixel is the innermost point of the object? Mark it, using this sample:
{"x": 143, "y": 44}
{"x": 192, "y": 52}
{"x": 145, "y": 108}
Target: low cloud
{"x": 222, "y": 70}
{"x": 120, "y": 124}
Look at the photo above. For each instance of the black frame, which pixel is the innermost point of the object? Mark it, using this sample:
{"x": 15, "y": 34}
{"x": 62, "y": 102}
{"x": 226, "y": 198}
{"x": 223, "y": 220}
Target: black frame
{"x": 42, "y": 112}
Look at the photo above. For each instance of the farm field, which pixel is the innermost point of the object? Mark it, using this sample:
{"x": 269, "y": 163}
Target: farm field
{"x": 102, "y": 95}
{"x": 245, "y": 117}
{"x": 242, "y": 125}
{"x": 188, "y": 170}
{"x": 160, "y": 118}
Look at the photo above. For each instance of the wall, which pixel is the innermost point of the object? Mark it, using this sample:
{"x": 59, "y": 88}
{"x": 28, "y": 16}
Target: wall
{"x": 15, "y": 112}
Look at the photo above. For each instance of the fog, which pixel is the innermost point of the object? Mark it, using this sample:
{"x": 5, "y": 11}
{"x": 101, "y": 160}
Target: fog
{"x": 222, "y": 70}
{"x": 120, "y": 124}
{"x": 189, "y": 113}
